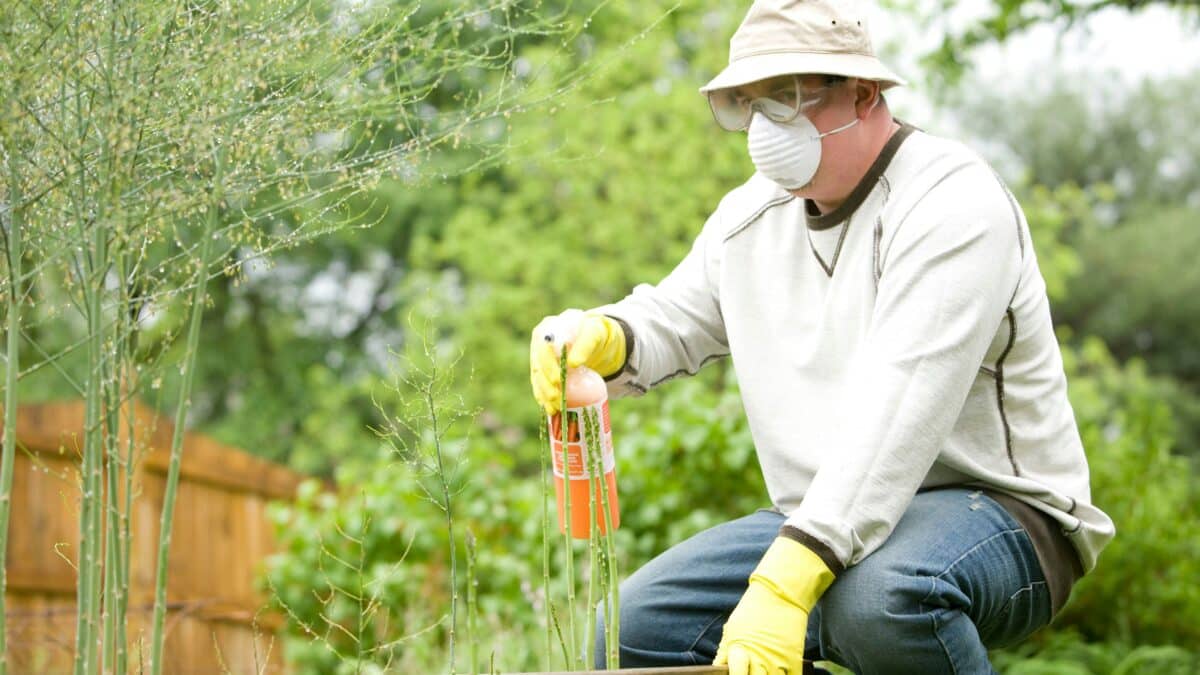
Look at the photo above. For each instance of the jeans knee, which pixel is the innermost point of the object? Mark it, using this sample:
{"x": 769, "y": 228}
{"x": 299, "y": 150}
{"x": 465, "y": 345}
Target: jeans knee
{"x": 847, "y": 611}
{"x": 650, "y": 634}
{"x": 862, "y": 624}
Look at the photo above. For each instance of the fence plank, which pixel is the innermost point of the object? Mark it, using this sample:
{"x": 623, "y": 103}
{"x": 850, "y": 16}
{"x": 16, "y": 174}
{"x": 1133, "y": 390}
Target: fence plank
{"x": 220, "y": 540}
{"x": 38, "y": 487}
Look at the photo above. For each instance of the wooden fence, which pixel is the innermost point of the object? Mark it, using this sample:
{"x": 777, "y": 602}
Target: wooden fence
{"x": 220, "y": 539}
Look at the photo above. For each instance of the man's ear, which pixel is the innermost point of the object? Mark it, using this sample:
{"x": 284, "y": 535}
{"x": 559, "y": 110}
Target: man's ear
{"x": 867, "y": 94}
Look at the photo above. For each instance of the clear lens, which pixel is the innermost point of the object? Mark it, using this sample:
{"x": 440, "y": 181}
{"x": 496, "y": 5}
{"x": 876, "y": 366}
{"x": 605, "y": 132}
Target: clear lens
{"x": 729, "y": 109}
{"x": 782, "y": 101}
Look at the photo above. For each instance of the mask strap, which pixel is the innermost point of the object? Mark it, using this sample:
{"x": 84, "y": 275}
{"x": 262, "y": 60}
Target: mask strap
{"x": 850, "y": 123}
{"x": 837, "y": 130}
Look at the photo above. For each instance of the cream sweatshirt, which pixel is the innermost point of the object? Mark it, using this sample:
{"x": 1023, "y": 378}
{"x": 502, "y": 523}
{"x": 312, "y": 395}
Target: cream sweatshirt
{"x": 900, "y": 342}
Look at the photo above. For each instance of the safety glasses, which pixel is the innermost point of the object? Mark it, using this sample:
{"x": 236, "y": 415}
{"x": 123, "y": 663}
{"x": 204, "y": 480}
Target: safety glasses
{"x": 781, "y": 99}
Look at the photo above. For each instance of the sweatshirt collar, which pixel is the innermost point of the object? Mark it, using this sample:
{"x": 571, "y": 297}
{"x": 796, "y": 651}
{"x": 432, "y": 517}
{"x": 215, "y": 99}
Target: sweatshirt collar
{"x": 824, "y": 221}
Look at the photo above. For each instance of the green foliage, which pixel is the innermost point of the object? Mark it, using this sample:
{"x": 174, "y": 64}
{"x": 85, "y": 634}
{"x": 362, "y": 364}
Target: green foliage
{"x": 379, "y": 532}
{"x": 1051, "y": 213}
{"x": 334, "y": 551}
{"x": 315, "y": 104}
{"x": 460, "y": 251}
{"x": 1142, "y": 290}
{"x": 476, "y": 254}
{"x": 1141, "y": 295}
{"x": 1066, "y": 653}
{"x": 607, "y": 187}
{"x": 1144, "y": 589}
{"x": 151, "y": 146}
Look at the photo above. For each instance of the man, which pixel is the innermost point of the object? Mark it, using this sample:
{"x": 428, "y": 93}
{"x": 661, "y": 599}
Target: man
{"x": 877, "y": 290}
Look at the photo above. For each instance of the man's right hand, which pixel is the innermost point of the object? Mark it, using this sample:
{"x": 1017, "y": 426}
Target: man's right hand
{"x": 595, "y": 341}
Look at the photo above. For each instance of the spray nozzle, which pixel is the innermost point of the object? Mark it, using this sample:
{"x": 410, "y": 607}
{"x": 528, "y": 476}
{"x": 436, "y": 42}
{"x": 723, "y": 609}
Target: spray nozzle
{"x": 562, "y": 329}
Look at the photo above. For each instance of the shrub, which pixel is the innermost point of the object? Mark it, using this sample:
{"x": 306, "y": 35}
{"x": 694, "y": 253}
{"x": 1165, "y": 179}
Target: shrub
{"x": 1067, "y": 653}
{"x": 1144, "y": 589}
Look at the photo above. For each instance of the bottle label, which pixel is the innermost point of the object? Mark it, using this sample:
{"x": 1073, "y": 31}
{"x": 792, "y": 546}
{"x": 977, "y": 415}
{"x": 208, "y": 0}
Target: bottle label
{"x": 578, "y": 449}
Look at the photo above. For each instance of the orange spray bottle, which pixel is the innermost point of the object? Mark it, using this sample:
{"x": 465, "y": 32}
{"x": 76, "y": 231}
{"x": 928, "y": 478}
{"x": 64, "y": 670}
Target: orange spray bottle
{"x": 587, "y": 398}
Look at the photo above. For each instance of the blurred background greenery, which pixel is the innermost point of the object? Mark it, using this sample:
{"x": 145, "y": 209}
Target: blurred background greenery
{"x": 606, "y": 188}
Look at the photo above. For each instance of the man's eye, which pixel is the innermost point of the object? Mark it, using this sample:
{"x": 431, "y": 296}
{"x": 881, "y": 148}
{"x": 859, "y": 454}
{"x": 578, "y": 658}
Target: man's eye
{"x": 785, "y": 96}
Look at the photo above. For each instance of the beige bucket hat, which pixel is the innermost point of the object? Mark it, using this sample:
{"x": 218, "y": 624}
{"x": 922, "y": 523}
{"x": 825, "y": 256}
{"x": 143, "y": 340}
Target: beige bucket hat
{"x": 779, "y": 37}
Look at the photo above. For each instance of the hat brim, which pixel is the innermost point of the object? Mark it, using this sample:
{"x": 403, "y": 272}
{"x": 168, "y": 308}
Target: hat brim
{"x": 762, "y": 66}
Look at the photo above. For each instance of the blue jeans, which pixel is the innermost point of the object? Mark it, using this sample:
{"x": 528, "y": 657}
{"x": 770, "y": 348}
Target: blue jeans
{"x": 957, "y": 577}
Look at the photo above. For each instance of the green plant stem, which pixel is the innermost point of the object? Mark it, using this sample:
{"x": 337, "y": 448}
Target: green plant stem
{"x": 562, "y": 642}
{"x": 593, "y": 531}
{"x": 612, "y": 623}
{"x": 542, "y": 436}
{"x": 606, "y": 569}
{"x": 12, "y": 363}
{"x": 563, "y": 429}
{"x": 107, "y": 657}
{"x": 118, "y": 608}
{"x": 88, "y": 593}
{"x": 92, "y": 266}
{"x": 126, "y": 544}
{"x": 360, "y": 648}
{"x": 606, "y": 593}
{"x": 110, "y": 385}
{"x": 185, "y": 392}
{"x": 114, "y": 535}
{"x": 472, "y": 632}
{"x": 446, "y": 506}
{"x": 612, "y": 598}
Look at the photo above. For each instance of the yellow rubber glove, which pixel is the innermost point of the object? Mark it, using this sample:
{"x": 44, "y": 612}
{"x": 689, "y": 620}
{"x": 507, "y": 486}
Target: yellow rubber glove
{"x": 765, "y": 633}
{"x": 598, "y": 343}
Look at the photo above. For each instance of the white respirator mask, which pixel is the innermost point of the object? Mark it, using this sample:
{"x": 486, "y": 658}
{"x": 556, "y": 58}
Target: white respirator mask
{"x": 787, "y": 152}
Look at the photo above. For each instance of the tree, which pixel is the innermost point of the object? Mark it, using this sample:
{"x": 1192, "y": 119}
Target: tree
{"x": 1135, "y": 149}
{"x": 1005, "y": 18}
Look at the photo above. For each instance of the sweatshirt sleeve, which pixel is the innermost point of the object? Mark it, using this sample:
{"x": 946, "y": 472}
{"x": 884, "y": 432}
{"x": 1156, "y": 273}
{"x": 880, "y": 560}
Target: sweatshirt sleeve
{"x": 675, "y": 327}
{"x": 947, "y": 280}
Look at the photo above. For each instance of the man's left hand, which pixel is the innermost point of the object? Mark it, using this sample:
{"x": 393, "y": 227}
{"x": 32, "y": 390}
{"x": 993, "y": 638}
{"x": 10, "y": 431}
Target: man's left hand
{"x": 765, "y": 633}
